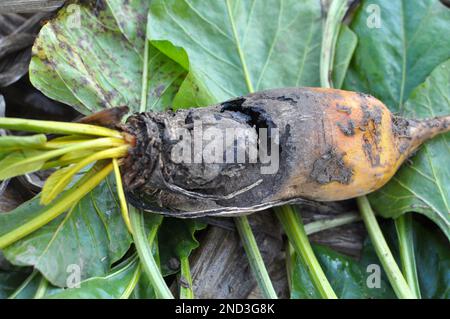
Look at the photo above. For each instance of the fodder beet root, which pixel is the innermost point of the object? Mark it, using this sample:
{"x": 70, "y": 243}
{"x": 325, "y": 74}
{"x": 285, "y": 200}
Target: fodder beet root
{"x": 332, "y": 144}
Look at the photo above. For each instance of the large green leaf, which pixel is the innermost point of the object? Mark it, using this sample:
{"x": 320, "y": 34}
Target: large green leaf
{"x": 126, "y": 280}
{"x": 347, "y": 276}
{"x": 91, "y": 236}
{"x": 233, "y": 47}
{"x": 423, "y": 184}
{"x": 390, "y": 61}
{"x": 93, "y": 58}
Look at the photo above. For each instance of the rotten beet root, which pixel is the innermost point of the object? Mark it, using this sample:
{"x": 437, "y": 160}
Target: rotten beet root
{"x": 266, "y": 149}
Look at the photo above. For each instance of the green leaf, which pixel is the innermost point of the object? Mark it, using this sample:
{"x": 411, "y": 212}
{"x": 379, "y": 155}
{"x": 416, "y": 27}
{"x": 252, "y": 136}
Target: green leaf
{"x": 347, "y": 276}
{"x": 92, "y": 58}
{"x": 223, "y": 58}
{"x": 176, "y": 239}
{"x": 22, "y": 214}
{"x": 92, "y": 236}
{"x": 344, "y": 52}
{"x": 423, "y": 185}
{"x": 390, "y": 61}
{"x": 125, "y": 280}
{"x": 20, "y": 162}
{"x": 115, "y": 285}
{"x": 14, "y": 143}
{"x": 165, "y": 79}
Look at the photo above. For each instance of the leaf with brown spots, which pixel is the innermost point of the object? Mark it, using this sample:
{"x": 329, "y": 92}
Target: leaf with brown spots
{"x": 93, "y": 57}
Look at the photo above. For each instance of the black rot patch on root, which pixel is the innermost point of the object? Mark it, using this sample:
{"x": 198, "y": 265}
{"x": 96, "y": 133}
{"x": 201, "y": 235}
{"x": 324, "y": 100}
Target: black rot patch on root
{"x": 348, "y": 128}
{"x": 330, "y": 167}
{"x": 374, "y": 114}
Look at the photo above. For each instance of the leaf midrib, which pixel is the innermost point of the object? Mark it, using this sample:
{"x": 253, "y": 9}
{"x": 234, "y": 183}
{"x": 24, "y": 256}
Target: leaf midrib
{"x": 239, "y": 49}
{"x": 272, "y": 46}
